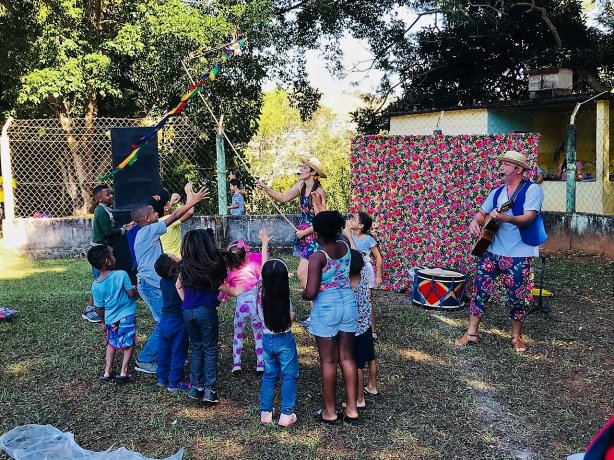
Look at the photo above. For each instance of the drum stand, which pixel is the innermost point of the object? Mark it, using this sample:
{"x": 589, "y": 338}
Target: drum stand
{"x": 542, "y": 304}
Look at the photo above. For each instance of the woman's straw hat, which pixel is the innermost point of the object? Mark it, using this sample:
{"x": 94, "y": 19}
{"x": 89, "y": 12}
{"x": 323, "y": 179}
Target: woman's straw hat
{"x": 512, "y": 156}
{"x": 314, "y": 164}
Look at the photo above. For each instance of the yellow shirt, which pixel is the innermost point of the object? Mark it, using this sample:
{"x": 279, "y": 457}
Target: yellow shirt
{"x": 171, "y": 240}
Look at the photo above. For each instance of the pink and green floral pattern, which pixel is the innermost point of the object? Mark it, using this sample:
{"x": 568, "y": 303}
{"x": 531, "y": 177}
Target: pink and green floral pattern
{"x": 422, "y": 192}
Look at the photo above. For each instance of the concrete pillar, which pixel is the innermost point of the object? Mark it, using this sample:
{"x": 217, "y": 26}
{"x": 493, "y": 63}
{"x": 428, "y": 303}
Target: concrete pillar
{"x": 7, "y": 173}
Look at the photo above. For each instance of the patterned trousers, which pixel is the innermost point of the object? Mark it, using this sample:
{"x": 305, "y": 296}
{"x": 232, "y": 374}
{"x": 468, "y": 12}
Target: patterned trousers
{"x": 245, "y": 313}
{"x": 516, "y": 274}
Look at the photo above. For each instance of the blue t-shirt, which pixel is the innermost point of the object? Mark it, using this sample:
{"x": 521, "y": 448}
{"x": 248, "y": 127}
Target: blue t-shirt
{"x": 111, "y": 293}
{"x": 364, "y": 244}
{"x": 237, "y": 198}
{"x": 147, "y": 249}
{"x": 507, "y": 240}
{"x": 171, "y": 302}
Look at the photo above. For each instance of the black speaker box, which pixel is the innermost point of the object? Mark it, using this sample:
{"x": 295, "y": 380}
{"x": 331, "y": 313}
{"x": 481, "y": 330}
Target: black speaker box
{"x": 120, "y": 246}
{"x": 136, "y": 183}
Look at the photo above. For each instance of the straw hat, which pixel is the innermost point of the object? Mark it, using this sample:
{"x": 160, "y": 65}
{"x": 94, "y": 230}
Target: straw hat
{"x": 511, "y": 156}
{"x": 314, "y": 164}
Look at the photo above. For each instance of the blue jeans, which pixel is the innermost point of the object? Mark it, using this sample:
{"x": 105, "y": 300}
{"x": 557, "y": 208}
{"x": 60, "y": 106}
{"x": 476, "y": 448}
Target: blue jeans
{"x": 172, "y": 349}
{"x": 153, "y": 298}
{"x": 280, "y": 357}
{"x": 203, "y": 331}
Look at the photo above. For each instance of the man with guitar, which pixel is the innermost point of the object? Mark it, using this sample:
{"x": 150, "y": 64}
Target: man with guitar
{"x": 515, "y": 209}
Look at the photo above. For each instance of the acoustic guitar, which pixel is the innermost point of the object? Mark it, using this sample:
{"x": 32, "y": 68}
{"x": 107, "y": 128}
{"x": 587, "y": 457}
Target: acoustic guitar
{"x": 489, "y": 229}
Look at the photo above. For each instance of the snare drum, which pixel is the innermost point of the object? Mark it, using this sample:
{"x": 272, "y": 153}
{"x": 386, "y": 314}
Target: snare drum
{"x": 438, "y": 288}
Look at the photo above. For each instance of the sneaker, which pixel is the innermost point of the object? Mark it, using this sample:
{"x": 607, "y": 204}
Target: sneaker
{"x": 181, "y": 388}
{"x": 147, "y": 368}
{"x": 306, "y": 322}
{"x": 196, "y": 393}
{"x": 89, "y": 314}
{"x": 210, "y": 396}
{"x": 266, "y": 416}
{"x": 161, "y": 384}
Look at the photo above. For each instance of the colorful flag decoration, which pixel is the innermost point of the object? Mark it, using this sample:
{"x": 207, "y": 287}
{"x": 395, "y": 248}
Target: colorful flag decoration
{"x": 232, "y": 49}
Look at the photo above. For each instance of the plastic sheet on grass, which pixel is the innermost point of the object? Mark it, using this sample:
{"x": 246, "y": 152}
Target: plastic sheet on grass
{"x": 35, "y": 442}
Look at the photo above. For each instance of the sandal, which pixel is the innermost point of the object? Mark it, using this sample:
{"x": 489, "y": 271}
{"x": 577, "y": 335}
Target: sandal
{"x": 375, "y": 336}
{"x": 105, "y": 379}
{"x": 123, "y": 379}
{"x": 364, "y": 404}
{"x": 319, "y": 418}
{"x": 518, "y": 345}
{"x": 371, "y": 392}
{"x": 467, "y": 339}
{"x": 352, "y": 421}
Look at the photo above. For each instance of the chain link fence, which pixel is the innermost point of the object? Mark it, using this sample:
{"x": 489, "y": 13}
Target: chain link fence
{"x": 55, "y": 167}
{"x": 594, "y": 143}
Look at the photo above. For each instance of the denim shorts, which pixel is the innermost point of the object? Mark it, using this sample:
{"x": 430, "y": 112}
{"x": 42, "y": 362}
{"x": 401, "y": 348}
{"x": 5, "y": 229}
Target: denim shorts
{"x": 334, "y": 311}
{"x": 120, "y": 335}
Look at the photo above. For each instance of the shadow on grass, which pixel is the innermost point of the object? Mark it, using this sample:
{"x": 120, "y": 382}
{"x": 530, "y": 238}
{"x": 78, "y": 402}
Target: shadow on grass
{"x": 436, "y": 401}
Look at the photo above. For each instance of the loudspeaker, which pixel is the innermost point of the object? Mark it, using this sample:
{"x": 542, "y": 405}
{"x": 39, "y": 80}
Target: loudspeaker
{"x": 121, "y": 250}
{"x": 134, "y": 184}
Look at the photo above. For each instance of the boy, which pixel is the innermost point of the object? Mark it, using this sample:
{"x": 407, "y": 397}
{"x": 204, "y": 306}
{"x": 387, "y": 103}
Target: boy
{"x": 147, "y": 249}
{"x": 173, "y": 345}
{"x": 114, "y": 302}
{"x": 103, "y": 229}
{"x": 237, "y": 208}
{"x": 171, "y": 240}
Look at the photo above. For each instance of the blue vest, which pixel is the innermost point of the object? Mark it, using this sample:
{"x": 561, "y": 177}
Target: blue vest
{"x": 535, "y": 233}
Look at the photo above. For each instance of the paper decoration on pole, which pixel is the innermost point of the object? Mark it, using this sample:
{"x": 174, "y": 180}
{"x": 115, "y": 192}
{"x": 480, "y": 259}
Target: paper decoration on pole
{"x": 232, "y": 49}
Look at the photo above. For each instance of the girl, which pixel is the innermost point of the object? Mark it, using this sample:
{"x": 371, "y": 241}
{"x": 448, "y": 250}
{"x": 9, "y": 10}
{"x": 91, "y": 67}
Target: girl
{"x": 244, "y": 273}
{"x": 306, "y": 188}
{"x": 201, "y": 273}
{"x": 334, "y": 316}
{"x": 280, "y": 355}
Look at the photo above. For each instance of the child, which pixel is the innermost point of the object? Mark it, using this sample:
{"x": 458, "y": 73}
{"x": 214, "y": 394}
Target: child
{"x": 280, "y": 355}
{"x": 103, "y": 229}
{"x": 171, "y": 240}
{"x": 147, "y": 249}
{"x": 234, "y": 174}
{"x": 244, "y": 273}
{"x": 360, "y": 226}
{"x": 202, "y": 271}
{"x": 334, "y": 316}
{"x": 114, "y": 302}
{"x": 173, "y": 345}
{"x": 237, "y": 208}
{"x": 364, "y": 351}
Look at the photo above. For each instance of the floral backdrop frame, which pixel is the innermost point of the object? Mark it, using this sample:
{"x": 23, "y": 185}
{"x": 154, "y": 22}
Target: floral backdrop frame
{"x": 422, "y": 192}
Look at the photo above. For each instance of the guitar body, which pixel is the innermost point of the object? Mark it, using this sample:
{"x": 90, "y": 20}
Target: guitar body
{"x": 489, "y": 229}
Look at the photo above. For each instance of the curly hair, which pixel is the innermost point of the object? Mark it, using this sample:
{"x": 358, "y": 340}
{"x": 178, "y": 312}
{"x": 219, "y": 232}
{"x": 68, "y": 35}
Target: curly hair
{"x": 328, "y": 224}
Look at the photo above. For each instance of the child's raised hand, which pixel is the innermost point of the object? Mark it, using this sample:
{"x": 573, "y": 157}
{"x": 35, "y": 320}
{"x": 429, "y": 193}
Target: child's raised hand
{"x": 189, "y": 188}
{"x": 175, "y": 197}
{"x": 348, "y": 227}
{"x": 264, "y": 236}
{"x": 201, "y": 194}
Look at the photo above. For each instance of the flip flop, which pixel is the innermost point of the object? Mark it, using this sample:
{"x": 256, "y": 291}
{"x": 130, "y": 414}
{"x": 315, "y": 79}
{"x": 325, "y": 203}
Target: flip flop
{"x": 319, "y": 418}
{"x": 518, "y": 345}
{"x": 105, "y": 379}
{"x": 370, "y": 392}
{"x": 123, "y": 379}
{"x": 364, "y": 404}
{"x": 352, "y": 421}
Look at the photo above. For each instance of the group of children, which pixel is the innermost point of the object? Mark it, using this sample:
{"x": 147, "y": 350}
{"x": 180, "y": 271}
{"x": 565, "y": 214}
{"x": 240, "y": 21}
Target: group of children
{"x": 183, "y": 292}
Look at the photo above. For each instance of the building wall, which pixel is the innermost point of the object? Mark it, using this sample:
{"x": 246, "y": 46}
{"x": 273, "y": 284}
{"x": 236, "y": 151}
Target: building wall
{"x": 457, "y": 122}
{"x": 47, "y": 238}
{"x": 501, "y": 122}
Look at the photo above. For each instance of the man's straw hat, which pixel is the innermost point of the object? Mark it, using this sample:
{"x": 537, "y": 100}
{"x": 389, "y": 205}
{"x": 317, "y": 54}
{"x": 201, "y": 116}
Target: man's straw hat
{"x": 512, "y": 156}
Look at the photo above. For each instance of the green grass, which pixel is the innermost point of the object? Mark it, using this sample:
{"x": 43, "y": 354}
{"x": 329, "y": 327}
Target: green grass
{"x": 436, "y": 401}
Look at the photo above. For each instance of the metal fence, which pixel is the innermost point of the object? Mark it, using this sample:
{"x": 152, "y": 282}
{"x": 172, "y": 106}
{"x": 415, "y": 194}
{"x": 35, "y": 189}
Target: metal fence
{"x": 55, "y": 167}
{"x": 550, "y": 119}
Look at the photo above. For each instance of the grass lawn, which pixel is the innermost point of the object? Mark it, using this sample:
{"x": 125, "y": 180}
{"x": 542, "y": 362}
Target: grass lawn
{"x": 436, "y": 401}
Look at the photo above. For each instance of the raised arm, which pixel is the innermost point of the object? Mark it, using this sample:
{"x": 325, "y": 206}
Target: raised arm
{"x": 290, "y": 194}
{"x": 194, "y": 199}
{"x": 265, "y": 238}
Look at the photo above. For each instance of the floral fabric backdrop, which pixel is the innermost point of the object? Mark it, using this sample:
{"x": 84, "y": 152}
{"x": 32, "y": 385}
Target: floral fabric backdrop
{"x": 422, "y": 192}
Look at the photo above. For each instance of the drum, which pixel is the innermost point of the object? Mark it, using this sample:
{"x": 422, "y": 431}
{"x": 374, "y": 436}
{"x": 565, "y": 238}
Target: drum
{"x": 438, "y": 288}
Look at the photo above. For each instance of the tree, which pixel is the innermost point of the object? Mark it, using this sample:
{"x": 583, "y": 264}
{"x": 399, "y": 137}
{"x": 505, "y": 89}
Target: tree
{"x": 282, "y": 138}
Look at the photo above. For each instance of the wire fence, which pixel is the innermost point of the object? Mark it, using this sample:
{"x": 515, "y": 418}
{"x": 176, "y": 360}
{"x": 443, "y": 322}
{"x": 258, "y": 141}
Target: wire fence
{"x": 594, "y": 143}
{"x": 55, "y": 167}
